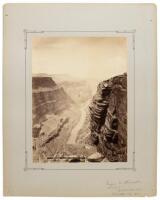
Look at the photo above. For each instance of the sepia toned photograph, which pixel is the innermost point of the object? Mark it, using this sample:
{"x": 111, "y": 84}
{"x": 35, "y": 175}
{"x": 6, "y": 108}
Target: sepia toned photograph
{"x": 79, "y": 99}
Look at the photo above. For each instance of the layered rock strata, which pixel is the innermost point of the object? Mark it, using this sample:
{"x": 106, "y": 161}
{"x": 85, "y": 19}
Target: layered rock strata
{"x": 108, "y": 118}
{"x": 47, "y": 98}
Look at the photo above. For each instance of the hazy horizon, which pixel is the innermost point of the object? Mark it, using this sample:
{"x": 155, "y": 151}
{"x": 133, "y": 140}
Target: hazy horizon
{"x": 80, "y": 57}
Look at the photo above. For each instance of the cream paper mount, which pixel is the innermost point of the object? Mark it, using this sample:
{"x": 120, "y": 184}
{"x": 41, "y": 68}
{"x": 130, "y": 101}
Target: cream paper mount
{"x": 55, "y": 56}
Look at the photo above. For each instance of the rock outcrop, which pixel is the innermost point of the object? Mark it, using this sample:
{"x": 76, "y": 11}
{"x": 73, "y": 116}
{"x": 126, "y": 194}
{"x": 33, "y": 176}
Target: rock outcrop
{"x": 96, "y": 157}
{"x": 47, "y": 98}
{"x": 108, "y": 118}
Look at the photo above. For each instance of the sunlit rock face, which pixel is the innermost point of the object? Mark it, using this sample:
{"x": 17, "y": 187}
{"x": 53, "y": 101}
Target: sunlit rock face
{"x": 47, "y": 98}
{"x": 108, "y": 118}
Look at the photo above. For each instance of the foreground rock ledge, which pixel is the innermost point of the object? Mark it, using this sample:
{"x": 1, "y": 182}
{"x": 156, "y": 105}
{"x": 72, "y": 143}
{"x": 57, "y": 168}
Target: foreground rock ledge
{"x": 108, "y": 118}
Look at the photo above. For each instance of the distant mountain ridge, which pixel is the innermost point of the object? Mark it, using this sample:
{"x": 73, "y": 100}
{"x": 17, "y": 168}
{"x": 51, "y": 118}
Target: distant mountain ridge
{"x": 42, "y": 82}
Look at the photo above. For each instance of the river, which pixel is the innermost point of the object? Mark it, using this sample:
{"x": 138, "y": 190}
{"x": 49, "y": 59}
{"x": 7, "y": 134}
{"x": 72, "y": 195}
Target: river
{"x": 79, "y": 125}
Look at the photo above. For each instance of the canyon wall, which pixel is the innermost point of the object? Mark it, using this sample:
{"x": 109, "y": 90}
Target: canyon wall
{"x": 108, "y": 118}
{"x": 47, "y": 98}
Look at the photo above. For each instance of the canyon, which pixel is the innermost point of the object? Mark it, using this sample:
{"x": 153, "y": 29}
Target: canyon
{"x": 73, "y": 123}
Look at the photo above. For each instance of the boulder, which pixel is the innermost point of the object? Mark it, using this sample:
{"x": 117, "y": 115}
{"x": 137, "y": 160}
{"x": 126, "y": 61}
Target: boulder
{"x": 96, "y": 157}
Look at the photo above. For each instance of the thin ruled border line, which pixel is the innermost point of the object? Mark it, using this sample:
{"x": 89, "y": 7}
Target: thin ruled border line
{"x": 26, "y": 32}
{"x": 134, "y": 59}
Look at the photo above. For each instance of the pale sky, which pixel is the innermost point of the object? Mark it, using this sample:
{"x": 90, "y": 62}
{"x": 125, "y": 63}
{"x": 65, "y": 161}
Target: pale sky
{"x": 82, "y": 57}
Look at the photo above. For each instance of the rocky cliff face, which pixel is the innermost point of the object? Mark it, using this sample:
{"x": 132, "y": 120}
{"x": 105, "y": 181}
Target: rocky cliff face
{"x": 108, "y": 118}
{"x": 47, "y": 98}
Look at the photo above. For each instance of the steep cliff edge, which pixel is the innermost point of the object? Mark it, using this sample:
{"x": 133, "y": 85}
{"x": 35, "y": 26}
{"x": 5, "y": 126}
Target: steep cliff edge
{"x": 47, "y": 98}
{"x": 108, "y": 118}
